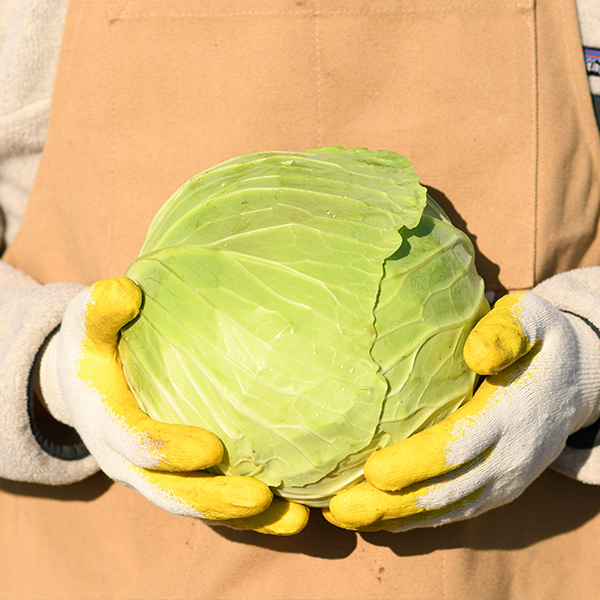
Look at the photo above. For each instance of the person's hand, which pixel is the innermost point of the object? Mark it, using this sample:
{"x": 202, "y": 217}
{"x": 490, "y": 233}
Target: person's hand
{"x": 84, "y": 386}
{"x": 543, "y": 383}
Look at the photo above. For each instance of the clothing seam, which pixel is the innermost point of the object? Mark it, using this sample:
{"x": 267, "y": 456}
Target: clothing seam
{"x": 374, "y": 11}
{"x": 15, "y": 583}
{"x": 536, "y": 138}
{"x": 444, "y": 565}
{"x": 194, "y": 527}
{"x": 111, "y": 137}
{"x": 319, "y": 75}
{"x": 74, "y": 36}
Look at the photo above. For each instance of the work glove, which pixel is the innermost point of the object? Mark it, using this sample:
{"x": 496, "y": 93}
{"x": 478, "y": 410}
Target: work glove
{"x": 83, "y": 386}
{"x": 543, "y": 383}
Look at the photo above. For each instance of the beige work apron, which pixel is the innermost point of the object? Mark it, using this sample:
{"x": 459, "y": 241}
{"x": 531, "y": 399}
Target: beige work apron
{"x": 488, "y": 100}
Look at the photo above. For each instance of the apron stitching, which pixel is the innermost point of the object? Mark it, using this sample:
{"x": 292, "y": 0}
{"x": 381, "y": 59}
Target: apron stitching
{"x": 373, "y": 11}
{"x": 14, "y": 584}
{"x": 241, "y": 13}
{"x": 444, "y": 571}
{"x": 111, "y": 149}
{"x": 74, "y": 37}
{"x": 318, "y": 56}
{"x": 536, "y": 144}
{"x": 195, "y": 525}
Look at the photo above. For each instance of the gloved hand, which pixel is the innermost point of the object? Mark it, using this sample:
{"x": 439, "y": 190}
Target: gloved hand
{"x": 543, "y": 383}
{"x": 83, "y": 385}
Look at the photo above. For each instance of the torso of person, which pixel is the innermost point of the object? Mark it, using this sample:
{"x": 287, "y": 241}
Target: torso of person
{"x": 489, "y": 101}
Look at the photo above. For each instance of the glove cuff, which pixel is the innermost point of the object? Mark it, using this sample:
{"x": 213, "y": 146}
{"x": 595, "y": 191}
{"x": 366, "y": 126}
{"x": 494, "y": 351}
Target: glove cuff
{"x": 28, "y": 313}
{"x": 55, "y": 436}
{"x": 577, "y": 293}
{"x": 51, "y": 394}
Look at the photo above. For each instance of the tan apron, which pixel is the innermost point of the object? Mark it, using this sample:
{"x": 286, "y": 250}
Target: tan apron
{"x": 488, "y": 100}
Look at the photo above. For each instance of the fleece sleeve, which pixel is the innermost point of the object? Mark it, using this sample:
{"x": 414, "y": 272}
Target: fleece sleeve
{"x": 30, "y": 34}
{"x": 29, "y": 312}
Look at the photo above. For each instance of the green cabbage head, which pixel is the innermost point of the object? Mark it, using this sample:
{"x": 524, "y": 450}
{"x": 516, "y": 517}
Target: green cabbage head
{"x": 306, "y": 308}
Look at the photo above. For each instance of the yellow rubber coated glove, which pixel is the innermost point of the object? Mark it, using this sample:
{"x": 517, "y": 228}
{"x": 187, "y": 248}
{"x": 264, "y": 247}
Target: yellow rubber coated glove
{"x": 163, "y": 462}
{"x": 543, "y": 383}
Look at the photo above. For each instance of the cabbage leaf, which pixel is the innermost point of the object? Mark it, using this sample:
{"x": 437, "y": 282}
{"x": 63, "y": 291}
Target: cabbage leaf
{"x": 304, "y": 307}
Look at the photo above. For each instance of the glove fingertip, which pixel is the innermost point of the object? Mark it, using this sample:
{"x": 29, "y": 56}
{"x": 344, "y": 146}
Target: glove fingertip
{"x": 381, "y": 470}
{"x": 410, "y": 461}
{"x": 479, "y": 356}
{"x": 203, "y": 495}
{"x": 113, "y": 303}
{"x": 359, "y": 506}
{"x": 186, "y": 448}
{"x": 242, "y": 493}
{"x": 499, "y": 339}
{"x": 328, "y": 515}
{"x": 492, "y": 348}
{"x": 292, "y": 518}
{"x": 281, "y": 518}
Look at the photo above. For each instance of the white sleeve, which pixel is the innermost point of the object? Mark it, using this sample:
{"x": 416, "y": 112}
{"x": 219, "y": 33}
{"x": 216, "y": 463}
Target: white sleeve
{"x": 30, "y": 33}
{"x": 29, "y": 312}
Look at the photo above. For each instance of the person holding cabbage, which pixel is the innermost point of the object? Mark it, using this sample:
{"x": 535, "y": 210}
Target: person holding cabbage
{"x": 492, "y": 106}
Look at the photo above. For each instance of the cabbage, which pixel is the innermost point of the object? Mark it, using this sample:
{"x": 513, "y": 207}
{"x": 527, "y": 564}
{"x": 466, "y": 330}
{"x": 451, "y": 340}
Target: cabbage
{"x": 306, "y": 308}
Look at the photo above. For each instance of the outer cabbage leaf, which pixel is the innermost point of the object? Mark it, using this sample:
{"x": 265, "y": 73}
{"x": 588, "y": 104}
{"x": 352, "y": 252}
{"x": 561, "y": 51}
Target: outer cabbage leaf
{"x": 300, "y": 306}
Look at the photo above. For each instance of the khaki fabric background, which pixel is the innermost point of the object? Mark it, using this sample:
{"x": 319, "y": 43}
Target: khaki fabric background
{"x": 490, "y": 103}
